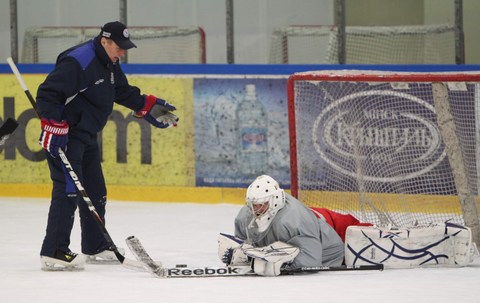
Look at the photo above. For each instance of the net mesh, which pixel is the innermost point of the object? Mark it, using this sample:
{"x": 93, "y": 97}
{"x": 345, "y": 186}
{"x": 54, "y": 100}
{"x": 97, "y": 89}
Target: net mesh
{"x": 419, "y": 44}
{"x": 369, "y": 144}
{"x": 154, "y": 44}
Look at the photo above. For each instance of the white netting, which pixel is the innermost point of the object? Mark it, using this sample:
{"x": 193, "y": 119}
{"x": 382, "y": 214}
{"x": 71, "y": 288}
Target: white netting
{"x": 419, "y": 44}
{"x": 369, "y": 143}
{"x": 155, "y": 44}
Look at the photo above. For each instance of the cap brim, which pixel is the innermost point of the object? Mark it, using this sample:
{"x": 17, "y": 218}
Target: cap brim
{"x": 125, "y": 44}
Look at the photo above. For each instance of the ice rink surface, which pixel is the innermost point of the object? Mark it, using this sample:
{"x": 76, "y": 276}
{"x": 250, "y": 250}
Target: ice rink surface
{"x": 186, "y": 233}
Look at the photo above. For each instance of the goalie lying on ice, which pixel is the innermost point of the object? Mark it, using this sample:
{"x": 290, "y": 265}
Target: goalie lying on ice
{"x": 274, "y": 229}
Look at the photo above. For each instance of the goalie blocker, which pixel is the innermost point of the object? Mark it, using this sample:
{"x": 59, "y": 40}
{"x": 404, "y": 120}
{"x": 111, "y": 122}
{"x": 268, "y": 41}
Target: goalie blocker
{"x": 437, "y": 245}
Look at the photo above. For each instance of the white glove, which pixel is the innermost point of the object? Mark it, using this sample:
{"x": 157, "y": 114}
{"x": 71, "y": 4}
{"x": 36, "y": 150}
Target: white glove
{"x": 230, "y": 250}
{"x": 168, "y": 119}
{"x": 264, "y": 268}
{"x": 268, "y": 260}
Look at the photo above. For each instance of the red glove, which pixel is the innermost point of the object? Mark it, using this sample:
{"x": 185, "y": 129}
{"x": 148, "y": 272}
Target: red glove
{"x": 54, "y": 136}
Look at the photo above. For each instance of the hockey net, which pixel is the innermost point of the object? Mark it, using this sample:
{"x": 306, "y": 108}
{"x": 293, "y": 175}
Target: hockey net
{"x": 397, "y": 149}
{"x": 416, "y": 44}
{"x": 158, "y": 44}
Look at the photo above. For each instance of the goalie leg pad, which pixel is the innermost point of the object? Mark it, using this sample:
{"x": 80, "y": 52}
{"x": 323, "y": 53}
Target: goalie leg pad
{"x": 444, "y": 244}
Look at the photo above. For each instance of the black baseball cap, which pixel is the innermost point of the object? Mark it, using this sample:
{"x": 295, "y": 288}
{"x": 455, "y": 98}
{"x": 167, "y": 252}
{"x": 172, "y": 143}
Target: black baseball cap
{"x": 118, "y": 32}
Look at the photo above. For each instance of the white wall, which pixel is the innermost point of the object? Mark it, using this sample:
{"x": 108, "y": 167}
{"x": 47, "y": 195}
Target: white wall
{"x": 437, "y": 11}
{"x": 4, "y": 30}
{"x": 254, "y": 20}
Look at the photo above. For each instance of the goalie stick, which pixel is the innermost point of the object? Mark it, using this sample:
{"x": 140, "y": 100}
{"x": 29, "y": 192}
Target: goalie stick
{"x": 157, "y": 270}
{"x": 7, "y": 129}
{"x": 128, "y": 263}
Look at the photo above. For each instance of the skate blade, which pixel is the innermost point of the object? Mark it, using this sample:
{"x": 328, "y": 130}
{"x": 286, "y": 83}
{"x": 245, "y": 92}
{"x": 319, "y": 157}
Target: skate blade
{"x": 51, "y": 264}
{"x": 93, "y": 260}
{"x": 59, "y": 267}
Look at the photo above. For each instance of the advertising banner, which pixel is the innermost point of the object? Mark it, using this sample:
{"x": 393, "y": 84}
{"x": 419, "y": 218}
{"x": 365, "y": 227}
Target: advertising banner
{"x": 387, "y": 136}
{"x": 230, "y": 131}
{"x": 133, "y": 152}
{"x": 241, "y": 131}
{"x": 233, "y": 127}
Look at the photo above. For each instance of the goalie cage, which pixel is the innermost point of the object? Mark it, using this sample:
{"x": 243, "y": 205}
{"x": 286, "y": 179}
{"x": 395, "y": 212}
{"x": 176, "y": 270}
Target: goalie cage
{"x": 393, "y": 149}
{"x": 412, "y": 44}
{"x": 156, "y": 44}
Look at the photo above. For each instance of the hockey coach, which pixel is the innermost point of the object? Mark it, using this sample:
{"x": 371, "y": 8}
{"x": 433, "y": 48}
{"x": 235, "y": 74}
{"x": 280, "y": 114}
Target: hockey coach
{"x": 74, "y": 103}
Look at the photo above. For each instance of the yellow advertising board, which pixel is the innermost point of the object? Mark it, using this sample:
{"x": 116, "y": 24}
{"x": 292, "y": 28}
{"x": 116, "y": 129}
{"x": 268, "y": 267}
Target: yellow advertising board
{"x": 140, "y": 162}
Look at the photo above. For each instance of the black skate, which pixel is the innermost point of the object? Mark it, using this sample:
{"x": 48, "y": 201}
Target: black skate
{"x": 63, "y": 261}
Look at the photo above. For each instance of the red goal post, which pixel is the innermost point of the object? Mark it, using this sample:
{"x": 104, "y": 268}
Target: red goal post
{"x": 393, "y": 148}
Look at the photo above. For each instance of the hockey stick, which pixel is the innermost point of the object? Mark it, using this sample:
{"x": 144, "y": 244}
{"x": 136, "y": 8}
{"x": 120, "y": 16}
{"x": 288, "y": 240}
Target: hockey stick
{"x": 73, "y": 175}
{"x": 246, "y": 270}
{"x": 157, "y": 270}
{"x": 7, "y": 129}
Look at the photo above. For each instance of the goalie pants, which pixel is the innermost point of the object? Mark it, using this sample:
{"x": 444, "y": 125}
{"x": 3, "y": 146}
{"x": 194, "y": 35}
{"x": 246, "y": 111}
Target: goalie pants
{"x": 85, "y": 160}
{"x": 338, "y": 221}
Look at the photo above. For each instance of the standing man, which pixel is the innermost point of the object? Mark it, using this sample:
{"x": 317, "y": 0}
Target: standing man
{"x": 74, "y": 103}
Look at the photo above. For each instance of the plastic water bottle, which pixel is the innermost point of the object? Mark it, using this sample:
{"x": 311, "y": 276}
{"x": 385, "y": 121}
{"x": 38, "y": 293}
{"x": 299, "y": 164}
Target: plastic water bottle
{"x": 252, "y": 127}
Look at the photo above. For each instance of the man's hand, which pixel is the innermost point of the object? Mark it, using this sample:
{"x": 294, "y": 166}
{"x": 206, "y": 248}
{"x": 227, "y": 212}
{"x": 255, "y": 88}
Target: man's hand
{"x": 157, "y": 112}
{"x": 54, "y": 136}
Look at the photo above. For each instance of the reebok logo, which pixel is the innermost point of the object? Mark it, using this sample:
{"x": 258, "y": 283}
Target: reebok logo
{"x": 207, "y": 271}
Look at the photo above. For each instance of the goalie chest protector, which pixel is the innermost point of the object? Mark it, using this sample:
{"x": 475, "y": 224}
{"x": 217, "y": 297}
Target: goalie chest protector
{"x": 437, "y": 245}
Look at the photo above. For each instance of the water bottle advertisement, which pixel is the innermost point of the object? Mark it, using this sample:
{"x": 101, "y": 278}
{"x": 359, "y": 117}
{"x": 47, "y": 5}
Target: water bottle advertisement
{"x": 241, "y": 131}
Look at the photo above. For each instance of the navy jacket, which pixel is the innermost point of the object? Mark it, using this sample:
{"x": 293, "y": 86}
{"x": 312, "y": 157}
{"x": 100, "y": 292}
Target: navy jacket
{"x": 82, "y": 89}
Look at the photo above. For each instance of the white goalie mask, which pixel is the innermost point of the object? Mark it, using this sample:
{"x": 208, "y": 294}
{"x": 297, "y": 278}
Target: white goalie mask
{"x": 265, "y": 198}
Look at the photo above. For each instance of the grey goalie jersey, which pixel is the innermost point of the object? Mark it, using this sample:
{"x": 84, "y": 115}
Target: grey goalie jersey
{"x": 296, "y": 225}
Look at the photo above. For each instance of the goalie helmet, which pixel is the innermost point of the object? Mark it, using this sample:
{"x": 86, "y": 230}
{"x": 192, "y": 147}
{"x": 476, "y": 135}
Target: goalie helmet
{"x": 264, "y": 198}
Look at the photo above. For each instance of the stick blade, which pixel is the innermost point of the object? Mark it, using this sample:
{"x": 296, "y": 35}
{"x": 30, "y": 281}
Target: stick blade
{"x": 141, "y": 255}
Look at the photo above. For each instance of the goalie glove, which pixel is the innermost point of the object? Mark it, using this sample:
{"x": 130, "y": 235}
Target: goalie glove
{"x": 157, "y": 112}
{"x": 268, "y": 260}
{"x": 230, "y": 250}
